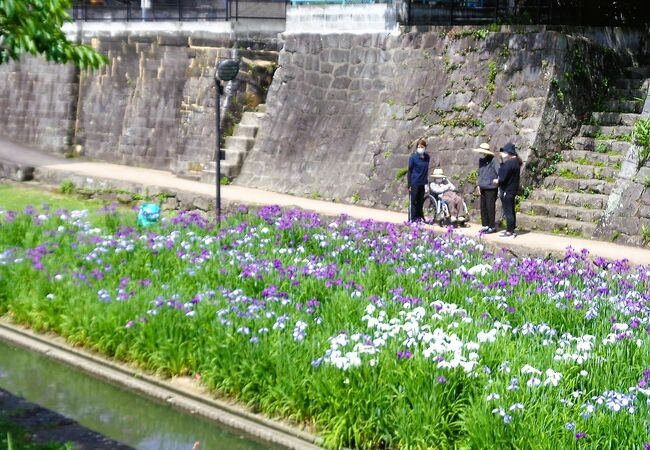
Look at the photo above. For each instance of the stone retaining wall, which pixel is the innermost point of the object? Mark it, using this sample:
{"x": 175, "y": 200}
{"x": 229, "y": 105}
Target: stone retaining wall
{"x": 152, "y": 105}
{"x": 345, "y": 110}
{"x": 38, "y": 102}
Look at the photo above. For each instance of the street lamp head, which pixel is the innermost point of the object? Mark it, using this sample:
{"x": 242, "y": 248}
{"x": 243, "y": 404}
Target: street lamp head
{"x": 227, "y": 70}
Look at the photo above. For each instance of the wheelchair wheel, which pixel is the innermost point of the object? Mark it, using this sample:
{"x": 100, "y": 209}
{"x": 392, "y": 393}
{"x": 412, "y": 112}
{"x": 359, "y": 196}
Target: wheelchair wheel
{"x": 430, "y": 208}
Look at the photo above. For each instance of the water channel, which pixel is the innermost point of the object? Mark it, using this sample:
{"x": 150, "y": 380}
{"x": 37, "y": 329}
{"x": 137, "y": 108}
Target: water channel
{"x": 102, "y": 407}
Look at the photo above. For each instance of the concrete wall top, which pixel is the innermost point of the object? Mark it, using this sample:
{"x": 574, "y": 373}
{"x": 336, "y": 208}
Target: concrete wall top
{"x": 357, "y": 19}
{"x": 257, "y": 29}
{"x": 117, "y": 28}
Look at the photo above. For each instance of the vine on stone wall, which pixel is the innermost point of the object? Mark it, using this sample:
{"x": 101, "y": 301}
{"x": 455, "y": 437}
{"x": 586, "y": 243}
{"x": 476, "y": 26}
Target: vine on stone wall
{"x": 641, "y": 137}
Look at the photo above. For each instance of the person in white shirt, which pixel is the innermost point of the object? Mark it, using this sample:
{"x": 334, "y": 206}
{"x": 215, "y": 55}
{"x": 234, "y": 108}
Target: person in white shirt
{"x": 446, "y": 191}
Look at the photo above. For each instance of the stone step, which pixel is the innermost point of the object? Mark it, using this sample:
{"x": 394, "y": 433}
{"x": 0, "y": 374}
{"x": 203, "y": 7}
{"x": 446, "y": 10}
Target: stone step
{"x": 631, "y": 83}
{"x": 610, "y": 160}
{"x": 251, "y": 118}
{"x": 598, "y": 130}
{"x": 248, "y": 131}
{"x": 628, "y": 106}
{"x": 236, "y": 148}
{"x": 627, "y": 93}
{"x": 228, "y": 169}
{"x": 239, "y": 143}
{"x": 209, "y": 166}
{"x": 555, "y": 225}
{"x": 642, "y": 72}
{"x": 596, "y": 201}
{"x": 557, "y": 183}
{"x": 577, "y": 213}
{"x": 225, "y": 164}
{"x": 235, "y": 156}
{"x": 589, "y": 171}
{"x": 232, "y": 156}
{"x": 261, "y": 108}
{"x": 612, "y": 118}
{"x": 600, "y": 145}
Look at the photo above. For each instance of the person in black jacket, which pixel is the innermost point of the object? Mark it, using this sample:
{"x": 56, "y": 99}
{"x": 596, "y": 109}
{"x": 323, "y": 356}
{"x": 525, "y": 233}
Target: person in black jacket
{"x": 417, "y": 178}
{"x": 509, "y": 184}
{"x": 488, "y": 171}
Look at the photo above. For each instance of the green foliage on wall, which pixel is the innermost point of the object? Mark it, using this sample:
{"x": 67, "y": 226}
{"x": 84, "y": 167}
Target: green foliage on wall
{"x": 641, "y": 137}
{"x": 492, "y": 75}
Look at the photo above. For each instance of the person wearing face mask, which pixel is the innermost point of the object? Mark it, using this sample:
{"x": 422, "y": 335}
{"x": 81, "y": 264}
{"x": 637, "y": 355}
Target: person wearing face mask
{"x": 417, "y": 178}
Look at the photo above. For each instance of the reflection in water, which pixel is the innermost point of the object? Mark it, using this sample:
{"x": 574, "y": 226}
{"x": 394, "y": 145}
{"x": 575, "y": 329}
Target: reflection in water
{"x": 118, "y": 414}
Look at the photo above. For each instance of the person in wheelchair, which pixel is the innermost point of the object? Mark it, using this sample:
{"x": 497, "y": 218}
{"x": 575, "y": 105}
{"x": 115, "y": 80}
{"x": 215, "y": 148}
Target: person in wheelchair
{"x": 441, "y": 189}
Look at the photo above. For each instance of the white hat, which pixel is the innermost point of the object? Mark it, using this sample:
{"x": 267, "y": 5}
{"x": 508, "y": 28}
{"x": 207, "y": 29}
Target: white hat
{"x": 484, "y": 148}
{"x": 438, "y": 173}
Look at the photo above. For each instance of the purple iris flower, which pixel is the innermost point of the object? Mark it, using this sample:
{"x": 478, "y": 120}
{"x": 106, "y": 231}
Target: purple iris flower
{"x": 404, "y": 354}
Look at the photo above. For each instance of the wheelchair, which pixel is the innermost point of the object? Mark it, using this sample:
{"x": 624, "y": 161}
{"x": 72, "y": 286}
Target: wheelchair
{"x": 438, "y": 211}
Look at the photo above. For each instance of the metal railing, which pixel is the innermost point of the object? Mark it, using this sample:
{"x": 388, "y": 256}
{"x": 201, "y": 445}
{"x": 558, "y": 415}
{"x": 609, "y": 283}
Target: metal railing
{"x": 338, "y": 2}
{"x": 476, "y": 12}
{"x": 418, "y": 12}
{"x": 177, "y": 10}
{"x": 534, "y": 12}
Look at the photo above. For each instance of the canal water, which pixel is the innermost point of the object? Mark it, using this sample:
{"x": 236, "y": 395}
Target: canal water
{"x": 102, "y": 407}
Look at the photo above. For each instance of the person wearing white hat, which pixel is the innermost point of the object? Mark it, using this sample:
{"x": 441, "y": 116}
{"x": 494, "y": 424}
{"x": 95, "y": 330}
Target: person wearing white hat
{"x": 488, "y": 170}
{"x": 445, "y": 189}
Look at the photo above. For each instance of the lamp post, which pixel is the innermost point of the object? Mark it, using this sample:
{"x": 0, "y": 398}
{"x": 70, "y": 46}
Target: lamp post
{"x": 227, "y": 70}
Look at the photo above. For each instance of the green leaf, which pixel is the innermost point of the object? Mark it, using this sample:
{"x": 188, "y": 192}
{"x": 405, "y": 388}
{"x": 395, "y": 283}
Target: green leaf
{"x": 9, "y": 8}
{"x": 34, "y": 26}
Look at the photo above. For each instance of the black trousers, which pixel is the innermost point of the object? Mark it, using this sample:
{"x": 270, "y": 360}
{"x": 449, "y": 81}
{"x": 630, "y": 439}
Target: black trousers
{"x": 508, "y": 205}
{"x": 488, "y": 207}
{"x": 417, "y": 204}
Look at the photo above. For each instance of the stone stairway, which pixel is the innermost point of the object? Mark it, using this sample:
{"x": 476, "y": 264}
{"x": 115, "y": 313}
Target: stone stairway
{"x": 573, "y": 199}
{"x": 236, "y": 146}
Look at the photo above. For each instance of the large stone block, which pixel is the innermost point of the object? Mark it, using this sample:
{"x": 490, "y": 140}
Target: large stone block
{"x": 361, "y": 40}
{"x": 312, "y": 78}
{"x": 312, "y": 62}
{"x": 345, "y": 41}
{"x": 340, "y": 70}
{"x": 644, "y": 212}
{"x": 298, "y": 60}
{"x": 339, "y": 56}
{"x": 341, "y": 83}
{"x": 326, "y": 67}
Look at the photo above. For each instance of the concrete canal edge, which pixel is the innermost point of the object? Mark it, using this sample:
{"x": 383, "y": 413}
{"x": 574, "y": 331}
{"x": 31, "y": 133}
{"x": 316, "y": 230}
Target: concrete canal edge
{"x": 229, "y": 415}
